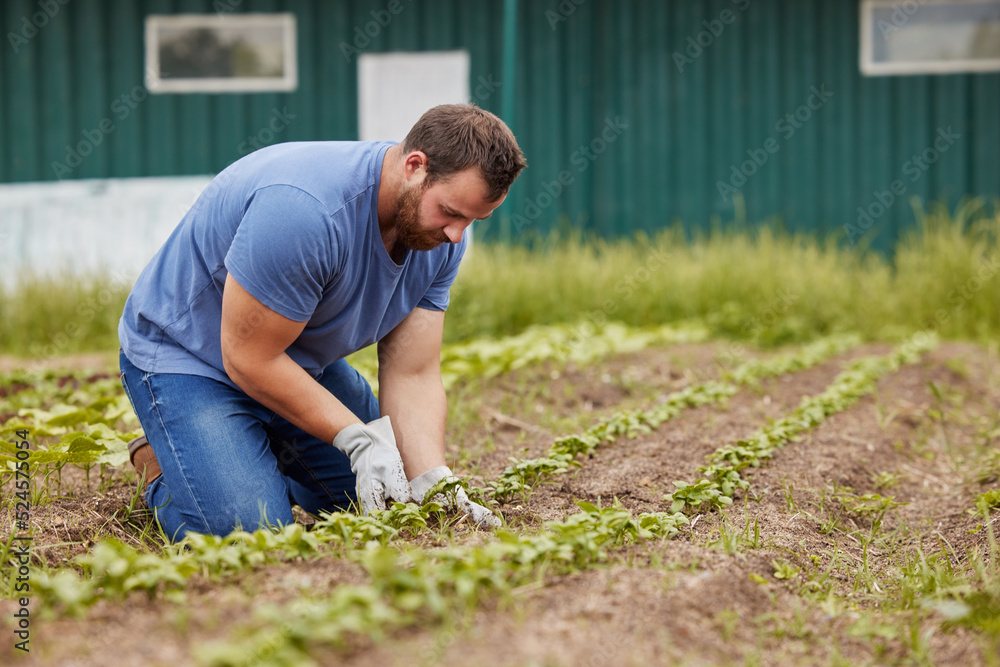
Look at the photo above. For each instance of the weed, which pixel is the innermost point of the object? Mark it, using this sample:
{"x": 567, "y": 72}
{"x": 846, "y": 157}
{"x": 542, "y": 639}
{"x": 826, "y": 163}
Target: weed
{"x": 886, "y": 480}
{"x": 784, "y": 570}
{"x": 988, "y": 500}
{"x": 789, "y": 493}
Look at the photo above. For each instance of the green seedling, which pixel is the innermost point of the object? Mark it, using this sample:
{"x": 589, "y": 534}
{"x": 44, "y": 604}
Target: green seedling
{"x": 520, "y": 478}
{"x": 989, "y": 468}
{"x": 784, "y": 570}
{"x": 886, "y": 480}
{"x": 789, "y": 492}
{"x": 702, "y": 492}
{"x": 847, "y": 388}
{"x": 988, "y": 501}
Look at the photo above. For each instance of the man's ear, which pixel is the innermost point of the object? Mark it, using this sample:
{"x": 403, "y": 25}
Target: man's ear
{"x": 415, "y": 167}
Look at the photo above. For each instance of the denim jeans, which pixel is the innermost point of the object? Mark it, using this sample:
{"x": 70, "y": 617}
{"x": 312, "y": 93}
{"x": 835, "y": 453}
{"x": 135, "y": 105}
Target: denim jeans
{"x": 229, "y": 462}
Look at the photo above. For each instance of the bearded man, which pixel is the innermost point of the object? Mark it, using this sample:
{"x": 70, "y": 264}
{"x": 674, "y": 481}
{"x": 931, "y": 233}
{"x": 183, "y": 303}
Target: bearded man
{"x": 234, "y": 335}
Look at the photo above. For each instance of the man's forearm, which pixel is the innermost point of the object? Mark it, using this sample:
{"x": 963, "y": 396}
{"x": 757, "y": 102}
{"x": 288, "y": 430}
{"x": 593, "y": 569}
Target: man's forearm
{"x": 283, "y": 386}
{"x": 417, "y": 406}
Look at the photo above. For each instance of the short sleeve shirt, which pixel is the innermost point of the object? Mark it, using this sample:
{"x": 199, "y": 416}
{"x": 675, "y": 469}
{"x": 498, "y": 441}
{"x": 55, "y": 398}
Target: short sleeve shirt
{"x": 296, "y": 225}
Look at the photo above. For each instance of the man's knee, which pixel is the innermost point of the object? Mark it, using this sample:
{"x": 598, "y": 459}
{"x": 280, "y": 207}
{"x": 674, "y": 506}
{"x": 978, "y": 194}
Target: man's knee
{"x": 221, "y": 515}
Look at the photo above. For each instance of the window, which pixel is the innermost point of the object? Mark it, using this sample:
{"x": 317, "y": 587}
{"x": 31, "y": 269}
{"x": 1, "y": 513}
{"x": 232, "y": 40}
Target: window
{"x": 220, "y": 53}
{"x": 929, "y": 37}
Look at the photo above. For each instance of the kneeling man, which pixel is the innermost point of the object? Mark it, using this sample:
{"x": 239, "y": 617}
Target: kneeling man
{"x": 234, "y": 336}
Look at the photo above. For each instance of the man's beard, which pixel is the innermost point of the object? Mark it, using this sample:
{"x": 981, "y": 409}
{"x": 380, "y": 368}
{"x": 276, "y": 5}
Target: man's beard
{"x": 408, "y": 229}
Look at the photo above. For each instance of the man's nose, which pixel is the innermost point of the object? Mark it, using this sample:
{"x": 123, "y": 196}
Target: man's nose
{"x": 454, "y": 232}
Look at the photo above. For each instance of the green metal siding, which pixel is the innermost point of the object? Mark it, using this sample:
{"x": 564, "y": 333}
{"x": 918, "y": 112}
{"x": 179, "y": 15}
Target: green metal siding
{"x": 607, "y": 60}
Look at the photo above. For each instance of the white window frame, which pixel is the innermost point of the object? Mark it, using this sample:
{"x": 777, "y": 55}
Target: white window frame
{"x": 288, "y": 82}
{"x": 871, "y": 68}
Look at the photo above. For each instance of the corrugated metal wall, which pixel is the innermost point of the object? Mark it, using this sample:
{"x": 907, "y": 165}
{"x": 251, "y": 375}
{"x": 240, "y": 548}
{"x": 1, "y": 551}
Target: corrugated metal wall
{"x": 620, "y": 134}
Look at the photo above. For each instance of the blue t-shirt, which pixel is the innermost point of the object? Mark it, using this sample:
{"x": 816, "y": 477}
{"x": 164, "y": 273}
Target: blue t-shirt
{"x": 297, "y": 226}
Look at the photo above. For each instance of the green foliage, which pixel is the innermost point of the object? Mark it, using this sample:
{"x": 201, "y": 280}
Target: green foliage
{"x": 722, "y": 471}
{"x": 759, "y": 284}
{"x": 521, "y": 477}
{"x": 784, "y": 570}
{"x": 868, "y": 505}
{"x": 964, "y": 591}
{"x": 988, "y": 500}
{"x": 580, "y": 342}
{"x": 886, "y": 479}
{"x": 694, "y": 495}
{"x": 425, "y": 586}
{"x": 989, "y": 466}
{"x": 43, "y": 316}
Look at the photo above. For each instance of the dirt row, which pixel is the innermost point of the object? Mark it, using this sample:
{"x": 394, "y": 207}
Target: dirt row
{"x": 683, "y": 601}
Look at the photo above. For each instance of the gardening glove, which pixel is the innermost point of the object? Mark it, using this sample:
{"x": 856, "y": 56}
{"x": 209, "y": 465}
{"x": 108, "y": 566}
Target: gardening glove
{"x": 376, "y": 463}
{"x": 481, "y": 516}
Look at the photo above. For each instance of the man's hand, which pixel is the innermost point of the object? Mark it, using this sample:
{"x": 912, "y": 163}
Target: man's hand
{"x": 481, "y": 516}
{"x": 376, "y": 463}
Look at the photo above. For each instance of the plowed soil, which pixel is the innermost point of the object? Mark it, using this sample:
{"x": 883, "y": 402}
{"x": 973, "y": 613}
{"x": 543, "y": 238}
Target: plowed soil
{"x": 702, "y": 598}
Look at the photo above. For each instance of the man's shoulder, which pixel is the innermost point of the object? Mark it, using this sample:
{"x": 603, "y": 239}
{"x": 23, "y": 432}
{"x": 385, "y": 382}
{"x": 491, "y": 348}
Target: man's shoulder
{"x": 331, "y": 172}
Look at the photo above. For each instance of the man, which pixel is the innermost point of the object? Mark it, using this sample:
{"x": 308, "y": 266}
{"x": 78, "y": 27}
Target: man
{"x": 234, "y": 336}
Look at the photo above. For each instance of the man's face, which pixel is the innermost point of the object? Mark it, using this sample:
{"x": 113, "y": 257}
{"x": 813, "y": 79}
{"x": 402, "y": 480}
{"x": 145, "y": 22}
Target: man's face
{"x": 431, "y": 215}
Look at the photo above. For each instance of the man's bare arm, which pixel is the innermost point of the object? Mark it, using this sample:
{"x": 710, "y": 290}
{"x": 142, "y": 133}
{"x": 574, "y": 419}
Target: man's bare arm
{"x": 254, "y": 340}
{"x": 410, "y": 389}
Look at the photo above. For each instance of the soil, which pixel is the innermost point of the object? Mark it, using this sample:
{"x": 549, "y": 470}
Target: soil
{"x": 689, "y": 600}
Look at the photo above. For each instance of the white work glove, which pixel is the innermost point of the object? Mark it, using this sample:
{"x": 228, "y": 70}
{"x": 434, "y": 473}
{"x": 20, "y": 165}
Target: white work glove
{"x": 481, "y": 516}
{"x": 376, "y": 463}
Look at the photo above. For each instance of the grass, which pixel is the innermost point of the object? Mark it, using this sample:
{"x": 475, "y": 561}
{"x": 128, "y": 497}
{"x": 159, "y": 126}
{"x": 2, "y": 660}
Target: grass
{"x": 870, "y": 587}
{"x": 757, "y": 284}
{"x": 754, "y": 284}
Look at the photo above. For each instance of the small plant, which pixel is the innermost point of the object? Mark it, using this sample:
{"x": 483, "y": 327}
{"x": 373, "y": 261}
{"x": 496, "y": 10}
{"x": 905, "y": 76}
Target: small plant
{"x": 521, "y": 477}
{"x": 989, "y": 468}
{"x": 695, "y": 495}
{"x": 729, "y": 539}
{"x": 886, "y": 480}
{"x": 846, "y": 389}
{"x": 784, "y": 570}
{"x": 789, "y": 492}
{"x": 751, "y": 533}
{"x": 988, "y": 501}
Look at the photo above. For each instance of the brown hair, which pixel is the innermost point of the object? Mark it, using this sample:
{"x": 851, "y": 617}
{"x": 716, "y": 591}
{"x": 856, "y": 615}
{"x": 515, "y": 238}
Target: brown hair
{"x": 458, "y": 136}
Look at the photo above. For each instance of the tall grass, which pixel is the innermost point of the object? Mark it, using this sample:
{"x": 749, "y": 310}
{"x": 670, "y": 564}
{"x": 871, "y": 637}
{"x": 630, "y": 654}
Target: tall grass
{"x": 53, "y": 316}
{"x": 754, "y": 283}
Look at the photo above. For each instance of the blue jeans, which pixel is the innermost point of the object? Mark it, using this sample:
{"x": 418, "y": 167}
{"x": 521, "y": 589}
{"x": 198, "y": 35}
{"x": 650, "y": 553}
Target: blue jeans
{"x": 229, "y": 462}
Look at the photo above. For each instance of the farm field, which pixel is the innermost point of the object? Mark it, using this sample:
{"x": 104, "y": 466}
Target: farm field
{"x": 668, "y": 498}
